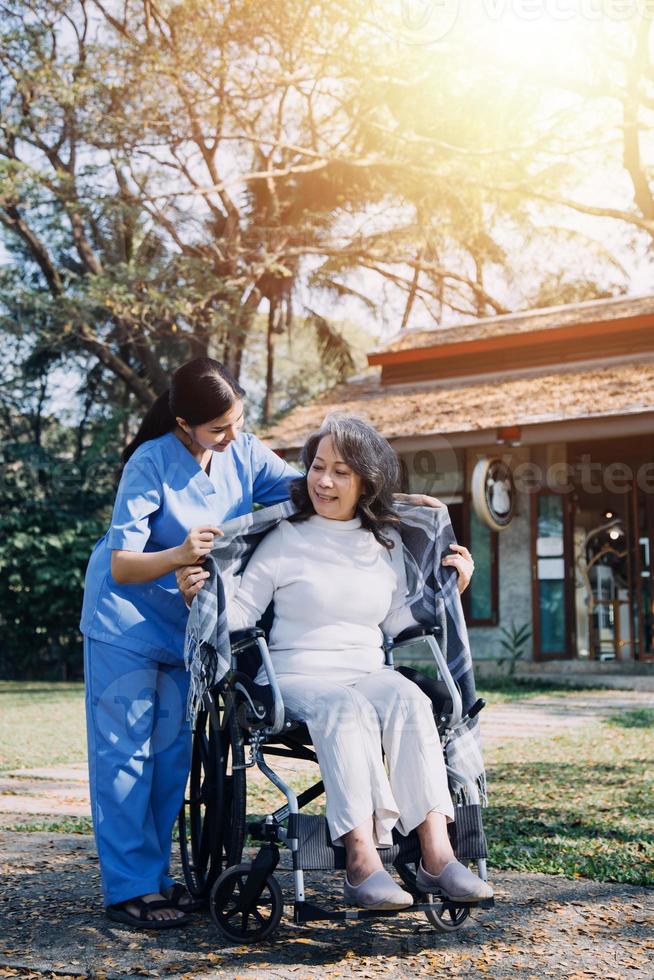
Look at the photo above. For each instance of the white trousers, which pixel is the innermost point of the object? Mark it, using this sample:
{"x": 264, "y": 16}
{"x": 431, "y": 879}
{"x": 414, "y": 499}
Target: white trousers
{"x": 349, "y": 724}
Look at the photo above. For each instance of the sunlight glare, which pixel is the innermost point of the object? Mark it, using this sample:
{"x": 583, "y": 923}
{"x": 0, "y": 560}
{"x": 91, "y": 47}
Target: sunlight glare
{"x": 541, "y": 43}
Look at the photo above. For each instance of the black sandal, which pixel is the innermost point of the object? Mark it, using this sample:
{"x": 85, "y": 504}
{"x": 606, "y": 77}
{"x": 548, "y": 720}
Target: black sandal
{"x": 177, "y": 892}
{"x": 119, "y": 913}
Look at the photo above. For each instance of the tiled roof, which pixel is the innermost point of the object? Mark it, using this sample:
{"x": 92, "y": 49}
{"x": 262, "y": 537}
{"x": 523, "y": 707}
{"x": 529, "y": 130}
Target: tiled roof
{"x": 594, "y": 311}
{"x": 413, "y": 410}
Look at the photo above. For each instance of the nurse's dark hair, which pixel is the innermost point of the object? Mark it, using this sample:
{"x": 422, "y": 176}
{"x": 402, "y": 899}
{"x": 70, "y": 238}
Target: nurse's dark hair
{"x": 371, "y": 457}
{"x": 200, "y": 390}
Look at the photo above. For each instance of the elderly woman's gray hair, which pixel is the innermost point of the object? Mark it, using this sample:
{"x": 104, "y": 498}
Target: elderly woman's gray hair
{"x": 371, "y": 457}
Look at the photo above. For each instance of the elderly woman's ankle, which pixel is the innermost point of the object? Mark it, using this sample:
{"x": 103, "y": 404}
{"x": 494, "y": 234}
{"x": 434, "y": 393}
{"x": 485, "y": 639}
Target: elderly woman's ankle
{"x": 361, "y": 866}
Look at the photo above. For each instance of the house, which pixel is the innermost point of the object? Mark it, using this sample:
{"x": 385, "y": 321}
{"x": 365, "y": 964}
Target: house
{"x": 537, "y": 430}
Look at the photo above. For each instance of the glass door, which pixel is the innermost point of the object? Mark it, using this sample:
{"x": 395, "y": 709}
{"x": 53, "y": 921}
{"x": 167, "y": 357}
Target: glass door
{"x": 551, "y": 576}
{"x": 642, "y": 597}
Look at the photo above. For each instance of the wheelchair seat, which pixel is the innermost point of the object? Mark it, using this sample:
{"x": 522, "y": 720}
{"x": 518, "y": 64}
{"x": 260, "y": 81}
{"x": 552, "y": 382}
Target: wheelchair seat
{"x": 435, "y": 690}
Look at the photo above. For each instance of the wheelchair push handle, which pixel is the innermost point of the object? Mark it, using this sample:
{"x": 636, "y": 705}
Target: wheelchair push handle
{"x": 476, "y": 708}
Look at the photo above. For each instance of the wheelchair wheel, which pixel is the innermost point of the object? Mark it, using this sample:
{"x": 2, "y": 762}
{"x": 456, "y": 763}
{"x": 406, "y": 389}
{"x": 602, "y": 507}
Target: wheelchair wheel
{"x": 252, "y": 924}
{"x": 445, "y": 918}
{"x": 212, "y": 818}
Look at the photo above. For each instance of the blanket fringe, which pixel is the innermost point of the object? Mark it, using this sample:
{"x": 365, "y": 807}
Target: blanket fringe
{"x": 197, "y": 678}
{"x": 463, "y": 797}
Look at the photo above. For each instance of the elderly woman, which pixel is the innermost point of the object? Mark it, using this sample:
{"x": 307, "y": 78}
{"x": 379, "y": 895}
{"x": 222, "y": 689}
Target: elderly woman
{"x": 336, "y": 573}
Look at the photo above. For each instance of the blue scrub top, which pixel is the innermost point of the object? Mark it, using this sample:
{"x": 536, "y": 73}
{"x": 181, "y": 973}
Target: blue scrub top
{"x": 163, "y": 493}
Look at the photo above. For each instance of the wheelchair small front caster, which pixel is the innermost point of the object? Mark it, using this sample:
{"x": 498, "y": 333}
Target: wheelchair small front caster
{"x": 239, "y": 917}
{"x": 447, "y": 918}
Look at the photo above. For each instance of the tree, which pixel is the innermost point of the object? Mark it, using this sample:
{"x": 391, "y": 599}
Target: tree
{"x": 601, "y": 114}
{"x": 171, "y": 169}
{"x": 251, "y": 179}
{"x": 56, "y": 490}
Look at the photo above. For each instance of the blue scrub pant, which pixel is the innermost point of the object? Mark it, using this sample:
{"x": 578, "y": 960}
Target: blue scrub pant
{"x": 139, "y": 746}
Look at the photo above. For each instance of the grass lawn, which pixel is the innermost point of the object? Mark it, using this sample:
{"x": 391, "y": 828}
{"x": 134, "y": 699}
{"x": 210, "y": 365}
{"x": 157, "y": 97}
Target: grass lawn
{"x": 577, "y": 804}
{"x": 41, "y": 724}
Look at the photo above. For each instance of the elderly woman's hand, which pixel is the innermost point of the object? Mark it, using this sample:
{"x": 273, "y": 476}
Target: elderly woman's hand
{"x": 190, "y": 579}
{"x": 463, "y": 563}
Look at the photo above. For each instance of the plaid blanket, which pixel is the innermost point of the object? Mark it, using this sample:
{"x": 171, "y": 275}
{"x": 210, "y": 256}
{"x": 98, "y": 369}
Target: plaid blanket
{"x": 433, "y": 599}
{"x": 427, "y": 534}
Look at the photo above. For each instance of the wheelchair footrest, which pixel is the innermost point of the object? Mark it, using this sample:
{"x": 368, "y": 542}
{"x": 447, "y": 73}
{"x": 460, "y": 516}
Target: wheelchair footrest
{"x": 310, "y": 912}
{"x": 317, "y": 853}
{"x": 446, "y": 903}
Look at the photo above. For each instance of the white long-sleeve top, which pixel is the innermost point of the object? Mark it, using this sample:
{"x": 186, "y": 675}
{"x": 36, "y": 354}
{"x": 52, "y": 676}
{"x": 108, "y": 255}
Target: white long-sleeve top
{"x": 335, "y": 589}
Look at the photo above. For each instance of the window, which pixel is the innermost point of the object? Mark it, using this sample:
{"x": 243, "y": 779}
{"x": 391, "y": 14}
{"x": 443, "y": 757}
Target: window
{"x": 550, "y": 573}
{"x": 482, "y": 593}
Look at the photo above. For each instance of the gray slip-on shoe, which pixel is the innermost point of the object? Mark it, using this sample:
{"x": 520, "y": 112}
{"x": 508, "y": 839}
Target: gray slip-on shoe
{"x": 377, "y": 891}
{"x": 455, "y": 882}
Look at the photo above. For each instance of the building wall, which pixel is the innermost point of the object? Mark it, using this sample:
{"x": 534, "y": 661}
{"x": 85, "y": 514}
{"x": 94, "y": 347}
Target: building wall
{"x": 441, "y": 463}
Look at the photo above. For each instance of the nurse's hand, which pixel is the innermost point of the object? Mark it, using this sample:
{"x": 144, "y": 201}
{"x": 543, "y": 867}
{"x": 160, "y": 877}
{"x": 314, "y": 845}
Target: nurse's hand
{"x": 190, "y": 580}
{"x": 198, "y": 543}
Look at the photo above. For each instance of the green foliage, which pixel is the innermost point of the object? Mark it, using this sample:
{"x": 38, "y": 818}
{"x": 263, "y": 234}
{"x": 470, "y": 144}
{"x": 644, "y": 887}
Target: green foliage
{"x": 507, "y": 688}
{"x": 53, "y": 508}
{"x": 502, "y": 688}
{"x": 66, "y": 825}
{"x": 635, "y": 718}
{"x": 168, "y": 173}
{"x": 42, "y": 559}
{"x": 514, "y": 643}
{"x": 301, "y": 371}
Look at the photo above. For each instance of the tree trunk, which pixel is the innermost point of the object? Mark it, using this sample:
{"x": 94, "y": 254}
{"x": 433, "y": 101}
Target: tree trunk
{"x": 270, "y": 364}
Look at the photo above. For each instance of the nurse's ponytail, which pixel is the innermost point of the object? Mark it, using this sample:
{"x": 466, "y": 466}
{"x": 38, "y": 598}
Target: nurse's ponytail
{"x": 200, "y": 390}
{"x": 156, "y": 422}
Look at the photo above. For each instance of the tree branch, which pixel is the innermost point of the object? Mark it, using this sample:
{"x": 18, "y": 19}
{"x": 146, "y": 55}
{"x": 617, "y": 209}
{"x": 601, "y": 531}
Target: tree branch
{"x": 12, "y": 219}
{"x": 631, "y": 150}
{"x": 136, "y": 385}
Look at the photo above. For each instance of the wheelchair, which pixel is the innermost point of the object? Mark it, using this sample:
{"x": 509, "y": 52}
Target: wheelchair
{"x": 245, "y": 899}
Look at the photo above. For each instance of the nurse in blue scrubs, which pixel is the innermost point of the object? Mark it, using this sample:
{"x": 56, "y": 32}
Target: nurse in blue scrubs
{"x": 189, "y": 469}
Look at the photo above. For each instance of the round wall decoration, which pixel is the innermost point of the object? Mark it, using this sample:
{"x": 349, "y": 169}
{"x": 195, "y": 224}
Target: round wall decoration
{"x": 493, "y": 492}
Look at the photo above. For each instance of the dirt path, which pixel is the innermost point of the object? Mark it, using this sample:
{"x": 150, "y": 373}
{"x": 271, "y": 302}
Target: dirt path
{"x": 549, "y": 714}
{"x": 541, "y": 927}
{"x": 51, "y": 922}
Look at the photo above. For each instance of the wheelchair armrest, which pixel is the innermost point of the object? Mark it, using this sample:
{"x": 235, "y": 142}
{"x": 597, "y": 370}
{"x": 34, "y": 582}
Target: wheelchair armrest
{"x": 433, "y": 636}
{"x": 415, "y": 632}
{"x": 437, "y": 692}
{"x": 242, "y": 639}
